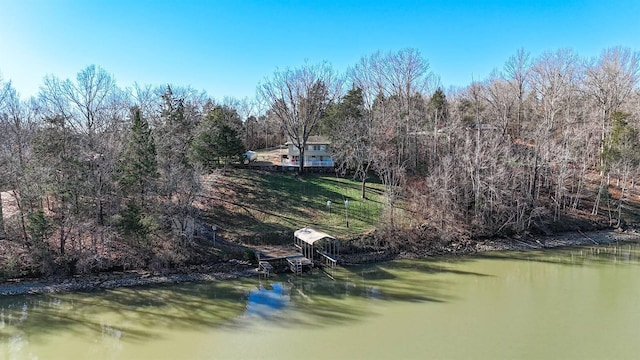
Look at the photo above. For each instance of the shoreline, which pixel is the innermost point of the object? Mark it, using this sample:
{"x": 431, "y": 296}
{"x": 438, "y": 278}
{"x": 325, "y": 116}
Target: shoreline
{"x": 234, "y": 269}
{"x": 517, "y": 243}
{"x": 230, "y": 270}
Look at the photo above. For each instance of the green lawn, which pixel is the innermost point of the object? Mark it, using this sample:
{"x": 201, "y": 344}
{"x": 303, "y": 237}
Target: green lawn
{"x": 248, "y": 204}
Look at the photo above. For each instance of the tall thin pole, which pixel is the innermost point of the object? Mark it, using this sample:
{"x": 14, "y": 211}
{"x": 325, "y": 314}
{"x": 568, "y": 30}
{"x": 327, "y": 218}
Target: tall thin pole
{"x": 346, "y": 211}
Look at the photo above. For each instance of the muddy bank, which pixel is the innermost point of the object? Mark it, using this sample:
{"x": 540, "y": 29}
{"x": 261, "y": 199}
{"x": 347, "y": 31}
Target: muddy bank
{"x": 237, "y": 268}
{"x": 229, "y": 270}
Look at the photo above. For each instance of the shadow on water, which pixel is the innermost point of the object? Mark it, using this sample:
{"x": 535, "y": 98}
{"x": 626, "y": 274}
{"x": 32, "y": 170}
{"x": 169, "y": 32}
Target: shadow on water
{"x": 149, "y": 313}
{"x": 352, "y": 296}
{"x": 445, "y": 265}
{"x": 138, "y": 313}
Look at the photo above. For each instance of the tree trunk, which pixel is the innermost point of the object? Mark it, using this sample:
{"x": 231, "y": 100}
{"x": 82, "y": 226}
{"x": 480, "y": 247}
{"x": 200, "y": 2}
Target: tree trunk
{"x": 2, "y": 233}
{"x": 61, "y": 222}
{"x": 100, "y": 205}
{"x": 23, "y": 225}
{"x": 622, "y": 192}
{"x": 301, "y": 160}
{"x": 62, "y": 238}
{"x": 596, "y": 204}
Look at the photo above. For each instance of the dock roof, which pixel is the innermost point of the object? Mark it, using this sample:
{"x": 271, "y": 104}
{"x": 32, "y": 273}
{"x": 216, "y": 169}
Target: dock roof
{"x": 310, "y": 236}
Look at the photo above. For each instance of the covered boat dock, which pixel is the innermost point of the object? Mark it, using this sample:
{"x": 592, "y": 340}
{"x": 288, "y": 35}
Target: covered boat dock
{"x": 311, "y": 248}
{"x": 317, "y": 245}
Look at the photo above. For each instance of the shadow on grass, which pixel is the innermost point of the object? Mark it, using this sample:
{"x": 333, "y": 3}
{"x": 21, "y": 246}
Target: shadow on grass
{"x": 246, "y": 202}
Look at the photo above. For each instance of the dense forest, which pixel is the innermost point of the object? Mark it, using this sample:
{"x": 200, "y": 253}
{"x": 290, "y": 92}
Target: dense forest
{"x": 102, "y": 177}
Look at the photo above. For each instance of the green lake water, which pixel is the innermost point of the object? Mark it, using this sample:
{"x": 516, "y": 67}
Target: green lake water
{"x": 581, "y": 303}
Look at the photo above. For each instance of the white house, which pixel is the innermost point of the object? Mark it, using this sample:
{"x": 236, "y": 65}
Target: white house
{"x": 316, "y": 154}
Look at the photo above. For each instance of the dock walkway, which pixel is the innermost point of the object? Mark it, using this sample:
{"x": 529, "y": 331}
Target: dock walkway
{"x": 274, "y": 259}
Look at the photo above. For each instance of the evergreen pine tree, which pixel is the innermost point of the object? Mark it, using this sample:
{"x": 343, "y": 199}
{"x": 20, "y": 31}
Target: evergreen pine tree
{"x": 217, "y": 140}
{"x": 132, "y": 223}
{"x": 138, "y": 165}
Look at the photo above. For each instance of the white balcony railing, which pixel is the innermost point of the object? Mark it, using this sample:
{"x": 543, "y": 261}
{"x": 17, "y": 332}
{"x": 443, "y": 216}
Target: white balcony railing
{"x": 309, "y": 163}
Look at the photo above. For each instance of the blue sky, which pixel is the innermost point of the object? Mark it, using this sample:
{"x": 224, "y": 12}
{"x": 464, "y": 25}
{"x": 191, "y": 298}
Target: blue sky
{"x": 227, "y": 47}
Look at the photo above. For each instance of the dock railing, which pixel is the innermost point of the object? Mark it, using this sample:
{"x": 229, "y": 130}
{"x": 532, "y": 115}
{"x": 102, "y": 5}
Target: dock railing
{"x": 327, "y": 259}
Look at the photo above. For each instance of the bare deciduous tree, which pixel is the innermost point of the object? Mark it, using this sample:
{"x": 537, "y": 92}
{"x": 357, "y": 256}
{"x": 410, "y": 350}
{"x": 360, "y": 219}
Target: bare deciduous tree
{"x": 610, "y": 80}
{"x": 299, "y": 98}
{"x": 517, "y": 70}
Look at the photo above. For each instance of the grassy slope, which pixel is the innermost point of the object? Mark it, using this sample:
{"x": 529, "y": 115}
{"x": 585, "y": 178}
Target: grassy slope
{"x": 254, "y": 206}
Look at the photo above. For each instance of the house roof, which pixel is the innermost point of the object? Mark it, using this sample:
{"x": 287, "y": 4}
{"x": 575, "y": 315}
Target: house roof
{"x": 310, "y": 236}
{"x": 314, "y": 140}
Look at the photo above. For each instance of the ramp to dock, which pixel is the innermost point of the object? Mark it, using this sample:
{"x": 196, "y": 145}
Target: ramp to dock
{"x": 327, "y": 259}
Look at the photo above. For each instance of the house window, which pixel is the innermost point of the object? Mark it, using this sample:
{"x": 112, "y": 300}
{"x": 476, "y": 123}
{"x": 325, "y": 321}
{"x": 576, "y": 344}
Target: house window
{"x": 317, "y": 147}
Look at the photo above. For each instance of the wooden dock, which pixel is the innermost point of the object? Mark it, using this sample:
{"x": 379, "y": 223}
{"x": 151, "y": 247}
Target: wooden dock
{"x": 309, "y": 248}
{"x": 278, "y": 259}
{"x": 327, "y": 259}
{"x": 296, "y": 263}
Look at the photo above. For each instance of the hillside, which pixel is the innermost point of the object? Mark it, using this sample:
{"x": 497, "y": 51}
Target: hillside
{"x": 251, "y": 207}
{"x": 254, "y": 206}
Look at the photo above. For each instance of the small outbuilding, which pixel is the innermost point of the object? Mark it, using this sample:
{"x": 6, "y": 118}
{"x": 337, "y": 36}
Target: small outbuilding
{"x": 250, "y": 156}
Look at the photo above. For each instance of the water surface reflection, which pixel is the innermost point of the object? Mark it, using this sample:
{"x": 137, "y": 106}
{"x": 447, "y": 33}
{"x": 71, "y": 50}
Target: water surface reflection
{"x": 264, "y": 301}
{"x": 431, "y": 303}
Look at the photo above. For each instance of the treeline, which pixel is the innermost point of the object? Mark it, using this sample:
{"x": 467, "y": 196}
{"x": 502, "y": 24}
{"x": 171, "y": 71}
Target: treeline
{"x": 99, "y": 176}
{"x": 513, "y": 153}
{"x": 535, "y": 144}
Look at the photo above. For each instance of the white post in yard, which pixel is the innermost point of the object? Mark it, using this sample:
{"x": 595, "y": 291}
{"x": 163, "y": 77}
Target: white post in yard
{"x": 346, "y": 211}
